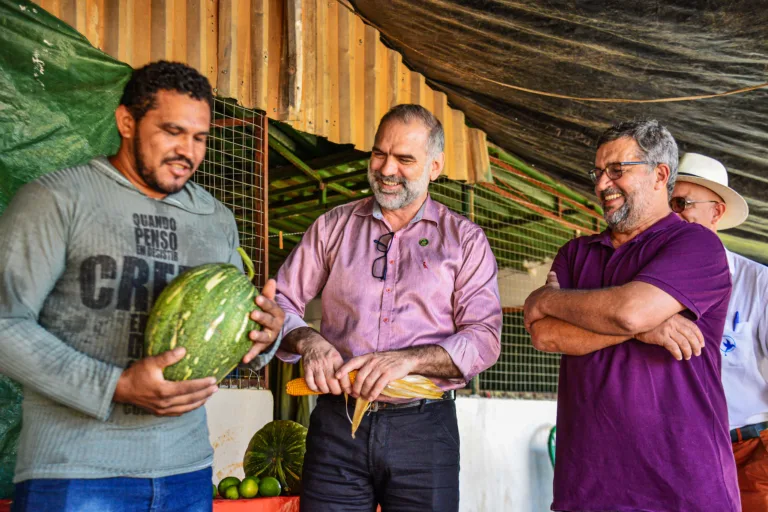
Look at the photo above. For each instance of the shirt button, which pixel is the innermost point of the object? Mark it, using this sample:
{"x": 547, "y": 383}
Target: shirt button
{"x": 389, "y": 289}
{"x": 386, "y": 320}
{"x": 391, "y": 262}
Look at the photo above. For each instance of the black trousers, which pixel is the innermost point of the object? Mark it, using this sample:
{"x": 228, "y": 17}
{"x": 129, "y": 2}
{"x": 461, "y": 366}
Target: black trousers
{"x": 402, "y": 459}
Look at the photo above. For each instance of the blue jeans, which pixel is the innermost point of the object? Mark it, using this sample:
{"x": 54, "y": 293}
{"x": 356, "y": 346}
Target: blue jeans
{"x": 406, "y": 460}
{"x": 189, "y": 492}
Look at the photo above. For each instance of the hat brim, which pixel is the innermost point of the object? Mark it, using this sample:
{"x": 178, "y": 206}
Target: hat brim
{"x": 736, "y": 209}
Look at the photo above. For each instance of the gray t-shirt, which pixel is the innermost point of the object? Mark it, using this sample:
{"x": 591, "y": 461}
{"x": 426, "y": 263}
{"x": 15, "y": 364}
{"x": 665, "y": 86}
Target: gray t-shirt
{"x": 83, "y": 255}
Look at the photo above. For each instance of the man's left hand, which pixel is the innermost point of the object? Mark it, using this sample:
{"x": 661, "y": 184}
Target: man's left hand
{"x": 375, "y": 371}
{"x": 271, "y": 318}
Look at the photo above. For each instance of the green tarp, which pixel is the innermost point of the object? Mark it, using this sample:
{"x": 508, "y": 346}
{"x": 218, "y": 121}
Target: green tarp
{"x": 57, "y": 96}
{"x": 57, "y": 99}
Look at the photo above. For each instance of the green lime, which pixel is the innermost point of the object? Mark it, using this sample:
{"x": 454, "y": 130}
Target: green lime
{"x": 227, "y": 483}
{"x": 269, "y": 486}
{"x": 215, "y": 493}
{"x": 249, "y": 487}
{"x": 231, "y": 493}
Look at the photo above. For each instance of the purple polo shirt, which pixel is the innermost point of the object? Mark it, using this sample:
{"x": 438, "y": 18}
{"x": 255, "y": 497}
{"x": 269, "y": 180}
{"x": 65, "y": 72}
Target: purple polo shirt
{"x": 638, "y": 430}
{"x": 440, "y": 288}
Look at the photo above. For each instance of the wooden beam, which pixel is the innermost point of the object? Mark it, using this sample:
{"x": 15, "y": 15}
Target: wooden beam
{"x": 394, "y": 61}
{"x": 276, "y": 18}
{"x": 202, "y": 37}
{"x": 260, "y": 53}
{"x": 346, "y": 76}
{"x": 333, "y": 72}
{"x": 373, "y": 78}
{"x": 459, "y": 141}
{"x": 227, "y": 49}
{"x": 141, "y": 33}
{"x": 323, "y": 85}
{"x": 479, "y": 166}
{"x": 159, "y": 31}
{"x": 359, "y": 105}
{"x": 443, "y": 113}
{"x": 404, "y": 84}
{"x": 308, "y": 114}
{"x": 292, "y": 63}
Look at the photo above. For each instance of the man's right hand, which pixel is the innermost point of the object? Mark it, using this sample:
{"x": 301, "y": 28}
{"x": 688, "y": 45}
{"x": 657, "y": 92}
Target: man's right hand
{"x": 143, "y": 384}
{"x": 321, "y": 360}
{"x": 678, "y": 335}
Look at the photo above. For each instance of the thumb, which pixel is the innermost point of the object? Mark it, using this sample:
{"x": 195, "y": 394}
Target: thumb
{"x": 170, "y": 357}
{"x": 552, "y": 280}
{"x": 269, "y": 289}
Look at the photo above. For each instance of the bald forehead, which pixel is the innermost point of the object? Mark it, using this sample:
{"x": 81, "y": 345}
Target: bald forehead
{"x": 695, "y": 192}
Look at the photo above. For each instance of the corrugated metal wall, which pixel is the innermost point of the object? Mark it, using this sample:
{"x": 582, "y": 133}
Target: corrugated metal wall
{"x": 311, "y": 63}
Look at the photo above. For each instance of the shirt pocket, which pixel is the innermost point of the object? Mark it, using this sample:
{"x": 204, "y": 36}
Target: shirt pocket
{"x": 737, "y": 346}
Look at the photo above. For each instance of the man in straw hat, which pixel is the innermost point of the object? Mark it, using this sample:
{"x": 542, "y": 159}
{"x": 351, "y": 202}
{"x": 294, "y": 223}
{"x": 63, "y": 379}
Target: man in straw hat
{"x": 702, "y": 195}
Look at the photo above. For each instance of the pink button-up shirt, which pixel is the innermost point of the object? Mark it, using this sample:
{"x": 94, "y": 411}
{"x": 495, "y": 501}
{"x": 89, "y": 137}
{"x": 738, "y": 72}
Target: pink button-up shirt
{"x": 440, "y": 286}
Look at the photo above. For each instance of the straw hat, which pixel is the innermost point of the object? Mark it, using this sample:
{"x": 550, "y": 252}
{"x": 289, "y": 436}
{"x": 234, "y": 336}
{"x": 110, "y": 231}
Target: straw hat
{"x": 710, "y": 173}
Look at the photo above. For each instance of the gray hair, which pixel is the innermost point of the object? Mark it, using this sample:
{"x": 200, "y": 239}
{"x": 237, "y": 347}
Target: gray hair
{"x": 407, "y": 112}
{"x": 656, "y": 144}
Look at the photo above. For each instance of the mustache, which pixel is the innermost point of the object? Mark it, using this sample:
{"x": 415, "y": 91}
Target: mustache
{"x": 380, "y": 177}
{"x": 609, "y": 191}
{"x": 181, "y": 159}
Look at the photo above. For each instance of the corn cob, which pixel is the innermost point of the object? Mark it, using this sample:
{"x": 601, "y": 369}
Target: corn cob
{"x": 411, "y": 386}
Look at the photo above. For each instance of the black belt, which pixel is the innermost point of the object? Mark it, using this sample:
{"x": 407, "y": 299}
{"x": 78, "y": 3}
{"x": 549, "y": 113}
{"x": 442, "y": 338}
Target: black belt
{"x": 380, "y": 406}
{"x": 748, "y": 432}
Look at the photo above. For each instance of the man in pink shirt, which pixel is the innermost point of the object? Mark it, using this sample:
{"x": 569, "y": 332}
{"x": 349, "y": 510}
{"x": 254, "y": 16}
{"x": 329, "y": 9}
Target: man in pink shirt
{"x": 408, "y": 287}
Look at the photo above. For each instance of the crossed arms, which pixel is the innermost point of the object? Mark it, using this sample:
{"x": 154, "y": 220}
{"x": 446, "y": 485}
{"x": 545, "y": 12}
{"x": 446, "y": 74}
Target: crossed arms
{"x": 578, "y": 322}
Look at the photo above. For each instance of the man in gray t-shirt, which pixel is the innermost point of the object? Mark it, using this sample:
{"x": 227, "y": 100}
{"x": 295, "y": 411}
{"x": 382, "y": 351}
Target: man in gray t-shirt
{"x": 84, "y": 252}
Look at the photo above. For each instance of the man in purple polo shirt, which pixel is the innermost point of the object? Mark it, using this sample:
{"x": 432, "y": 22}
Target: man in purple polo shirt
{"x": 639, "y": 429}
{"x": 408, "y": 287}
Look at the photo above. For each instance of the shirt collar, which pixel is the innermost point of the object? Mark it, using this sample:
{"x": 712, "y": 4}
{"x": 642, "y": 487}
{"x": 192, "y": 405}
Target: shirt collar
{"x": 668, "y": 221}
{"x": 429, "y": 211}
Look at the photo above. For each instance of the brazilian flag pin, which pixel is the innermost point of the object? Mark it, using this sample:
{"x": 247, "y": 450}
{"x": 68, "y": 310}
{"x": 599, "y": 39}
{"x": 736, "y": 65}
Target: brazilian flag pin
{"x": 423, "y": 242}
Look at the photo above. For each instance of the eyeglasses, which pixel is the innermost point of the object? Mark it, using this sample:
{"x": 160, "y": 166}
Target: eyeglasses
{"x": 680, "y": 204}
{"x": 383, "y": 243}
{"x": 614, "y": 170}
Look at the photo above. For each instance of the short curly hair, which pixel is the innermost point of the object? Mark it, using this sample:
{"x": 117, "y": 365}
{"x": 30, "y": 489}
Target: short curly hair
{"x": 140, "y": 91}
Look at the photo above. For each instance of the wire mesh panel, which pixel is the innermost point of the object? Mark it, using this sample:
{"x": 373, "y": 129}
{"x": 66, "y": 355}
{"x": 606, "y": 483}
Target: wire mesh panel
{"x": 235, "y": 172}
{"x": 526, "y": 222}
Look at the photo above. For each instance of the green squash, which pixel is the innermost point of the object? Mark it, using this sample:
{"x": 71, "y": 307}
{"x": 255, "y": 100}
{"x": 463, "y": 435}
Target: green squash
{"x": 207, "y": 311}
{"x": 277, "y": 450}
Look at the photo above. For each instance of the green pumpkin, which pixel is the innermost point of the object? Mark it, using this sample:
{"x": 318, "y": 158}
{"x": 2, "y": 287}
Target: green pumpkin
{"x": 207, "y": 311}
{"x": 277, "y": 450}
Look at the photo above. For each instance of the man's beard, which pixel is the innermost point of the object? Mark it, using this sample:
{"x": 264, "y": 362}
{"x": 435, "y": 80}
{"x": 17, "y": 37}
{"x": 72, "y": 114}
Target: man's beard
{"x": 407, "y": 194}
{"x": 150, "y": 176}
{"x": 628, "y": 216}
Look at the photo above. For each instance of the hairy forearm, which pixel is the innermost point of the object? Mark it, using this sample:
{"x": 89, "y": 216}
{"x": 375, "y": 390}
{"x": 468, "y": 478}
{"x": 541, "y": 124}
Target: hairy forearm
{"x": 599, "y": 311}
{"x": 297, "y": 340}
{"x": 433, "y": 361}
{"x": 558, "y": 336}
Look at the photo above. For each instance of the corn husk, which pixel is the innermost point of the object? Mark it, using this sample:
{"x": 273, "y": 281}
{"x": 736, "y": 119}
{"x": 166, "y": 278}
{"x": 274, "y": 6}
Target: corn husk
{"x": 411, "y": 386}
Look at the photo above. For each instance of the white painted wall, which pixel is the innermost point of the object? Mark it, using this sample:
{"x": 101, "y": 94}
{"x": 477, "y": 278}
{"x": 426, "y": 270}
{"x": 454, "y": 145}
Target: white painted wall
{"x": 234, "y": 415}
{"x": 504, "y": 460}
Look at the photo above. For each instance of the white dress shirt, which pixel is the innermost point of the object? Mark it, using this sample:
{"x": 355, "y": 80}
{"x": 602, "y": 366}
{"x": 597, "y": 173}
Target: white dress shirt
{"x": 744, "y": 347}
